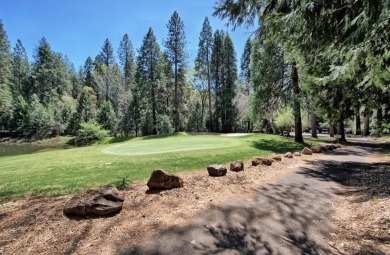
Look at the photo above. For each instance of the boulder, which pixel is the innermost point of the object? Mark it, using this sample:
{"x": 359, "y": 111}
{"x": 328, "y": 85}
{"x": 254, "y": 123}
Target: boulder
{"x": 112, "y": 194}
{"x": 316, "y": 149}
{"x": 288, "y": 155}
{"x": 108, "y": 201}
{"x": 307, "y": 151}
{"x": 297, "y": 154}
{"x": 216, "y": 170}
{"x": 102, "y": 207}
{"x": 329, "y": 147}
{"x": 277, "y": 158}
{"x": 337, "y": 145}
{"x": 262, "y": 161}
{"x": 163, "y": 180}
{"x": 237, "y": 166}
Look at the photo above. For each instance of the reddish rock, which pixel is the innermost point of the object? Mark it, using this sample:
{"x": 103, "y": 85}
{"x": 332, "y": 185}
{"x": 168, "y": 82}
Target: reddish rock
{"x": 262, "y": 161}
{"x": 307, "y": 151}
{"x": 216, "y": 170}
{"x": 277, "y": 158}
{"x": 237, "y": 166}
{"x": 163, "y": 180}
{"x": 316, "y": 149}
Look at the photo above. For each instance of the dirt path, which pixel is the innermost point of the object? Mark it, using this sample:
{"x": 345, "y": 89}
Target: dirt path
{"x": 289, "y": 216}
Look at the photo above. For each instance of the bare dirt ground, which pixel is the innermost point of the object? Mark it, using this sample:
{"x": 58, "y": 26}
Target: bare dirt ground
{"x": 38, "y": 226}
{"x": 282, "y": 209}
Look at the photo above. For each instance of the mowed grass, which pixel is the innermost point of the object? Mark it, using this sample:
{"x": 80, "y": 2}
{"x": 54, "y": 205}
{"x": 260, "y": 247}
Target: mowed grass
{"x": 72, "y": 170}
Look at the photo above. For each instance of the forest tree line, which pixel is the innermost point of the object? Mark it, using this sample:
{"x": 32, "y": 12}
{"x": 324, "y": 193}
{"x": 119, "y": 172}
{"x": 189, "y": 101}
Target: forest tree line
{"x": 129, "y": 94}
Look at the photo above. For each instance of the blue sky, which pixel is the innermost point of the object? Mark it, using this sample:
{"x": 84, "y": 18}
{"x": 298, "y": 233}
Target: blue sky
{"x": 78, "y": 28}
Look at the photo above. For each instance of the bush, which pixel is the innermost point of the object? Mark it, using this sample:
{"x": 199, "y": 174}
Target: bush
{"x": 122, "y": 183}
{"x": 285, "y": 119}
{"x": 90, "y": 132}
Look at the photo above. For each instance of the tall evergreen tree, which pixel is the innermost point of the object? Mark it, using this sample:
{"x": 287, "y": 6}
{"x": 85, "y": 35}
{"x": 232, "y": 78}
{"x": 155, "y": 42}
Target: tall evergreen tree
{"x": 203, "y": 62}
{"x": 175, "y": 45}
{"x": 217, "y": 70}
{"x": 50, "y": 76}
{"x": 106, "y": 56}
{"x": 149, "y": 74}
{"x": 21, "y": 69}
{"x": 245, "y": 64}
{"x": 88, "y": 72}
{"x": 5, "y": 76}
{"x": 5, "y": 56}
{"x": 228, "y": 110}
{"x": 126, "y": 59}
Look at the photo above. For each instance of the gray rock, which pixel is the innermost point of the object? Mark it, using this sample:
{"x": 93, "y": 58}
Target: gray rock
{"x": 288, "y": 155}
{"x": 297, "y": 154}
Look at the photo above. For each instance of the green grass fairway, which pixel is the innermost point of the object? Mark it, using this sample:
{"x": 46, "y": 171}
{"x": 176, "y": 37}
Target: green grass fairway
{"x": 72, "y": 170}
{"x": 187, "y": 143}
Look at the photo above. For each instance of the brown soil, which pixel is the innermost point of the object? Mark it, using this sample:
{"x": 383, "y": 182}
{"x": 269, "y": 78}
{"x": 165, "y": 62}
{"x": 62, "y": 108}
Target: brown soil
{"x": 361, "y": 219}
{"x": 38, "y": 226}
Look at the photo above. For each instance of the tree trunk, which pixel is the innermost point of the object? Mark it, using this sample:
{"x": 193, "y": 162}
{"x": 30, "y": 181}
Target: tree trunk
{"x": 357, "y": 124}
{"x": 176, "y": 100}
{"x": 331, "y": 131}
{"x": 341, "y": 129}
{"x": 313, "y": 118}
{"x": 379, "y": 119}
{"x": 297, "y": 104}
{"x": 366, "y": 125}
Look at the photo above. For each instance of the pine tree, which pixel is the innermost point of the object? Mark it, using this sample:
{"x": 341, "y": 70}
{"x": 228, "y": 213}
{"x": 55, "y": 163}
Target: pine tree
{"x": 86, "y": 108}
{"x": 126, "y": 59}
{"x": 5, "y": 56}
{"x": 217, "y": 70}
{"x": 106, "y": 56}
{"x": 88, "y": 72}
{"x": 229, "y": 86}
{"x": 107, "y": 117}
{"x": 50, "y": 76}
{"x": 21, "y": 69}
{"x": 203, "y": 62}
{"x": 150, "y": 75}
{"x": 245, "y": 64}
{"x": 175, "y": 45}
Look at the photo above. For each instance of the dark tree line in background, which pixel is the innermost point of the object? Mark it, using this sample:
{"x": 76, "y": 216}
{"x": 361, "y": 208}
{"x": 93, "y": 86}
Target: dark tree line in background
{"x": 312, "y": 65}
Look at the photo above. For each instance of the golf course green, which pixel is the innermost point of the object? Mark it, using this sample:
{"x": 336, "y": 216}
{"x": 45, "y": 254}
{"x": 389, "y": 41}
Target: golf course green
{"x": 188, "y": 143}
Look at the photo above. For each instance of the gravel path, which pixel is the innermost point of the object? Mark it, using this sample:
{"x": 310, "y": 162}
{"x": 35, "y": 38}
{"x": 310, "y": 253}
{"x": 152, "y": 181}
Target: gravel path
{"x": 288, "y": 216}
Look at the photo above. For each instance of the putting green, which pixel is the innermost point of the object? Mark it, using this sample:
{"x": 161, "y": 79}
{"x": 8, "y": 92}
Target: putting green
{"x": 171, "y": 144}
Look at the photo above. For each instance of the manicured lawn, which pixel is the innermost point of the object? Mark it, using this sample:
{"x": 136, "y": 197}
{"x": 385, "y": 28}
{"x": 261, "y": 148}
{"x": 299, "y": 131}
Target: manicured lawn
{"x": 71, "y": 170}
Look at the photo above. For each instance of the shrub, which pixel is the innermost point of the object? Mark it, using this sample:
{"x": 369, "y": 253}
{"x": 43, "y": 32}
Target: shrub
{"x": 90, "y": 132}
{"x": 122, "y": 183}
{"x": 285, "y": 119}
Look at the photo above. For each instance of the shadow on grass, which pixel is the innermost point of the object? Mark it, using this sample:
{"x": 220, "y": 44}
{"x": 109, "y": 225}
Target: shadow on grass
{"x": 278, "y": 146}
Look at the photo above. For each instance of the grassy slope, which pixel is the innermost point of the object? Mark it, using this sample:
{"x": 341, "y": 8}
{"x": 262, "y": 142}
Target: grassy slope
{"x": 68, "y": 171}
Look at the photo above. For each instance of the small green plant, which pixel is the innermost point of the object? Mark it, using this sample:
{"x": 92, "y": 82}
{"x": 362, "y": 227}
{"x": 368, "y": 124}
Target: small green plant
{"x": 90, "y": 132}
{"x": 122, "y": 183}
